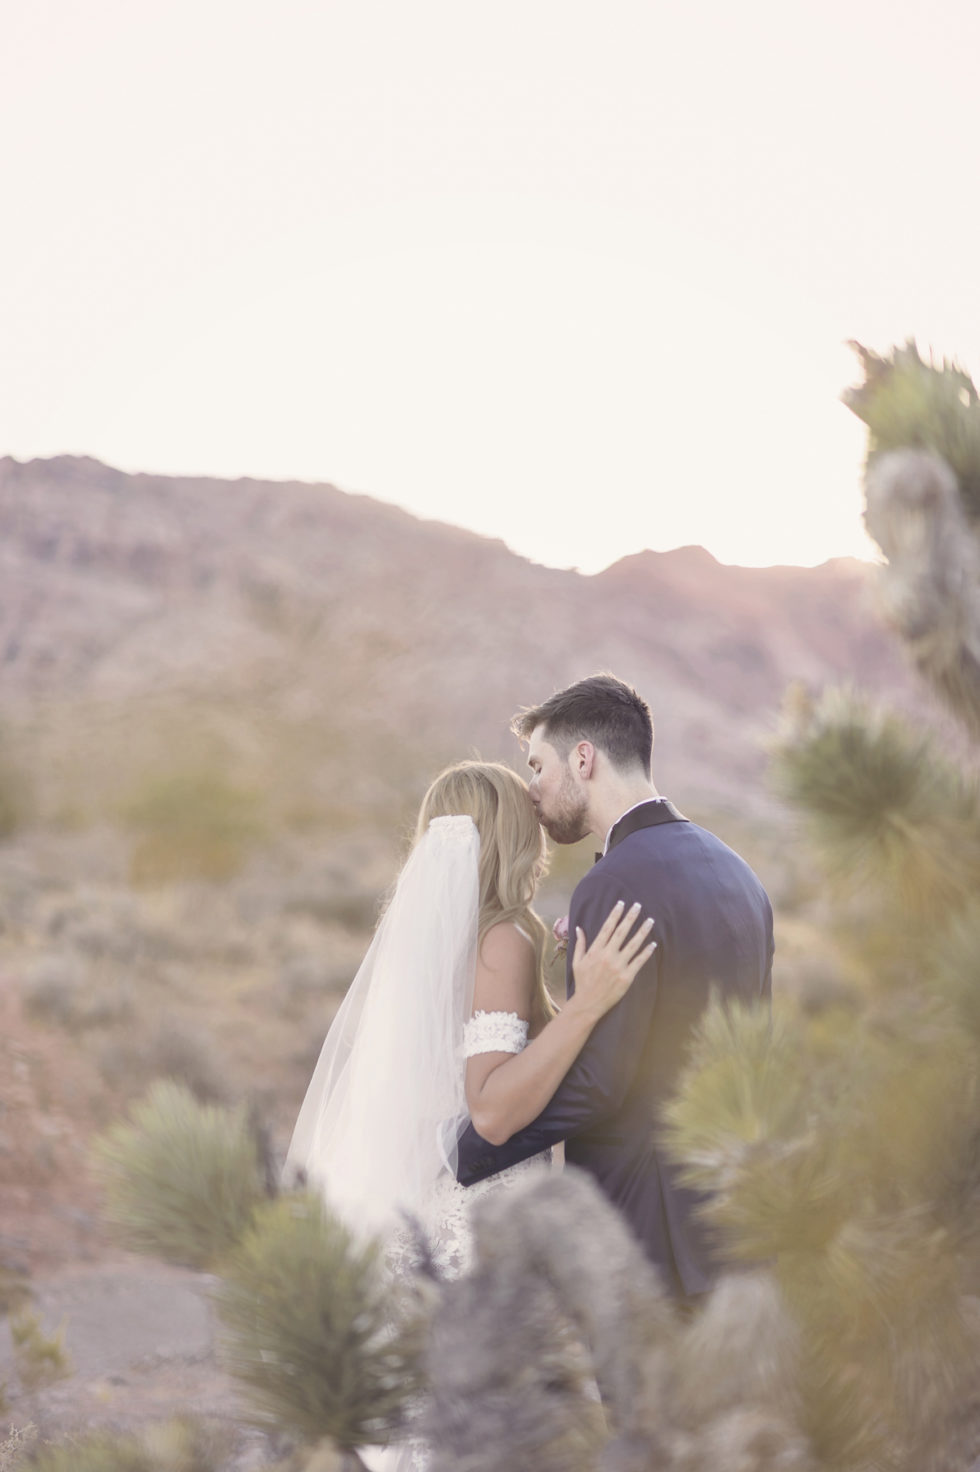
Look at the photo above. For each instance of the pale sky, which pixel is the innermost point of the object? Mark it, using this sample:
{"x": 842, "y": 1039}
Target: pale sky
{"x": 574, "y": 275}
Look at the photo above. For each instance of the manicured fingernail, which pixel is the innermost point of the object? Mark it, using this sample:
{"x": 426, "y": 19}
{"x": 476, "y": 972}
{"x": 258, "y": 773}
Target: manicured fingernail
{"x": 634, "y": 907}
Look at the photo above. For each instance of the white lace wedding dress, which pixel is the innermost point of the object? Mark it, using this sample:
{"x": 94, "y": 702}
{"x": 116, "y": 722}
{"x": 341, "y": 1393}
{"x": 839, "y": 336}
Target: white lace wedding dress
{"x": 444, "y": 1217}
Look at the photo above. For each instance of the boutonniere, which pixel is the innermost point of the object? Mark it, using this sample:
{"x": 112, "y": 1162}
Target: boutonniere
{"x": 560, "y": 931}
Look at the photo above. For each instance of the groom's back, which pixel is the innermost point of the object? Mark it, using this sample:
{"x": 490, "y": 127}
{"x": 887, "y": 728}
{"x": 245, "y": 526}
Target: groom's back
{"x": 713, "y": 925}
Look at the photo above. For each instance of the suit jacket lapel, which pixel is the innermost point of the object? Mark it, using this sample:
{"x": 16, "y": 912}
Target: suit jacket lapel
{"x": 648, "y": 815}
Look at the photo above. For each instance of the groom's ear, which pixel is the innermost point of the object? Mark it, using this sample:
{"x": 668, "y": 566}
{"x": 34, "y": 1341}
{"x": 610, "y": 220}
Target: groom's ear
{"x": 583, "y": 759}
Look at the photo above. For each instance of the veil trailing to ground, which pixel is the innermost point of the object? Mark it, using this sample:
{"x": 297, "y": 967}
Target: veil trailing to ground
{"x": 387, "y": 1102}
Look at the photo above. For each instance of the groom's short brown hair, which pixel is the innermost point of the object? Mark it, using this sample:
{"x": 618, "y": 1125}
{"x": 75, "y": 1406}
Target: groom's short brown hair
{"x": 601, "y": 709}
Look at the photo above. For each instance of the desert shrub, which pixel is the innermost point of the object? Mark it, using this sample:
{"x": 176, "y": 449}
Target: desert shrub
{"x": 170, "y": 1051}
{"x": 188, "y": 1057}
{"x": 101, "y": 1452}
{"x": 181, "y": 1445}
{"x": 52, "y": 989}
{"x": 304, "y": 976}
{"x": 57, "y": 989}
{"x": 191, "y": 825}
{"x": 40, "y": 1359}
{"x": 355, "y": 909}
{"x": 181, "y": 1178}
{"x": 187, "y": 1445}
{"x": 308, "y": 1327}
{"x": 112, "y": 933}
{"x": 15, "y": 1287}
{"x": 15, "y": 795}
{"x": 107, "y": 1006}
{"x": 16, "y": 1444}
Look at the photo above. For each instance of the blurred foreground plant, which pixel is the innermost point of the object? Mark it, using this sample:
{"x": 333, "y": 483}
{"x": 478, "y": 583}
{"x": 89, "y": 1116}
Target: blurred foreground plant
{"x": 840, "y": 1158}
{"x": 313, "y": 1329}
{"x": 562, "y": 1302}
{"x": 887, "y": 812}
{"x": 843, "y": 1154}
{"x": 181, "y": 1178}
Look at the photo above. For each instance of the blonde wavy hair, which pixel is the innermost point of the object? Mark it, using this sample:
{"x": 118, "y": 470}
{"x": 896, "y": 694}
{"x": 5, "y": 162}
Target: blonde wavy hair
{"x": 513, "y": 852}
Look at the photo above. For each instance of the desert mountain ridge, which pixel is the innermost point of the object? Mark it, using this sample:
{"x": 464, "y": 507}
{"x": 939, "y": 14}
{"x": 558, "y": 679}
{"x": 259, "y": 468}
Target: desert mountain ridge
{"x": 398, "y": 642}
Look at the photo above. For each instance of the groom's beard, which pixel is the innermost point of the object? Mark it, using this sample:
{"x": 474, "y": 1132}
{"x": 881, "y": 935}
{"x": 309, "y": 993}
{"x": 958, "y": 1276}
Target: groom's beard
{"x": 568, "y": 821}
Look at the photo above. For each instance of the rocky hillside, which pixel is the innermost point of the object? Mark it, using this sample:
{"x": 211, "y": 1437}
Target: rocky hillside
{"x": 364, "y": 646}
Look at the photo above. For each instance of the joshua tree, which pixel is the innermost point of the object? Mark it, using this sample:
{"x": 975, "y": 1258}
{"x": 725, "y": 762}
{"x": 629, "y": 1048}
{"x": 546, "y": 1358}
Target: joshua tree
{"x": 923, "y": 510}
{"x": 845, "y": 1151}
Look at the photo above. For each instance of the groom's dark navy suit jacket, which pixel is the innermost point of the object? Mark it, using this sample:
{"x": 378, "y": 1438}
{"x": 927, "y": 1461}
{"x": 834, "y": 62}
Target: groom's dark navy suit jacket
{"x": 713, "y": 926}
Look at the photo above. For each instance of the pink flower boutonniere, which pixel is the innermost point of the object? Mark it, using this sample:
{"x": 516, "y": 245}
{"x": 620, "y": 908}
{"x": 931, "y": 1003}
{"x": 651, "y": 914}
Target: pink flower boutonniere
{"x": 560, "y": 932}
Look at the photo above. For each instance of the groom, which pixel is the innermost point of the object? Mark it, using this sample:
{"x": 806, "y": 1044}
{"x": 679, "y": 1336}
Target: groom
{"x": 589, "y": 750}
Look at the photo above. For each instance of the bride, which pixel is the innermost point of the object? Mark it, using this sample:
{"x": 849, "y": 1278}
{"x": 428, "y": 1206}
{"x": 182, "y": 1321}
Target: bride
{"x": 449, "y": 1019}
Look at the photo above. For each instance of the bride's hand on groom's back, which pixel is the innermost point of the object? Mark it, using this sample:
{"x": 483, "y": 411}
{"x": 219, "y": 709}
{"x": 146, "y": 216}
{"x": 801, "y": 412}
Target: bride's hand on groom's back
{"x": 605, "y": 970}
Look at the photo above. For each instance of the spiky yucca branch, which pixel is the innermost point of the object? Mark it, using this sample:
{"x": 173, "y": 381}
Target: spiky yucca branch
{"x": 832, "y": 1154}
{"x": 181, "y": 1178}
{"x": 884, "y": 808}
{"x": 910, "y": 404}
{"x": 923, "y": 509}
{"x": 314, "y": 1330}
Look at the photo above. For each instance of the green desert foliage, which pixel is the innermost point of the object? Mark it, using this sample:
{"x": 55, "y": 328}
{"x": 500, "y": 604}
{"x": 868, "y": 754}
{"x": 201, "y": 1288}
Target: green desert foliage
{"x": 101, "y": 1452}
{"x": 181, "y": 1445}
{"x": 908, "y": 403}
{"x": 195, "y": 824}
{"x": 58, "y": 990}
{"x": 843, "y": 1154}
{"x": 311, "y": 1328}
{"x": 182, "y": 1178}
{"x": 884, "y": 808}
{"x": 922, "y": 507}
{"x": 165, "y": 1049}
{"x": 15, "y": 794}
{"x": 40, "y": 1358}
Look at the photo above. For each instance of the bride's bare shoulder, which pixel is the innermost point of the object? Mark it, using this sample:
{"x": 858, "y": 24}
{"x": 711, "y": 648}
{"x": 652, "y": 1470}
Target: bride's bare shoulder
{"x": 506, "y": 944}
{"x": 505, "y": 970}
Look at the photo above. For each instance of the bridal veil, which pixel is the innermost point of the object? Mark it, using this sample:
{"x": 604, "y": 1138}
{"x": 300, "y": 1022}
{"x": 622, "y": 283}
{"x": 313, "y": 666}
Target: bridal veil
{"x": 387, "y": 1102}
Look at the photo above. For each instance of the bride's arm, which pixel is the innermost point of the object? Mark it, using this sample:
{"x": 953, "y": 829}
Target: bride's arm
{"x": 505, "y": 1091}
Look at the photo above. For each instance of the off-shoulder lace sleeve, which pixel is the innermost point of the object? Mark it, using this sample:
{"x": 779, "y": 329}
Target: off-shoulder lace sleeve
{"x": 494, "y": 1032}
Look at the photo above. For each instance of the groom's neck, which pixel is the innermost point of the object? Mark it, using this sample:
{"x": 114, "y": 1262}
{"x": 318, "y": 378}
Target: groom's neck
{"x": 616, "y": 798}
